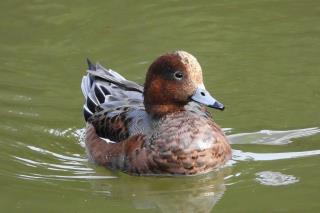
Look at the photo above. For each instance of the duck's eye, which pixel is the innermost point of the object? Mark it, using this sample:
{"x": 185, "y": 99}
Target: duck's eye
{"x": 178, "y": 75}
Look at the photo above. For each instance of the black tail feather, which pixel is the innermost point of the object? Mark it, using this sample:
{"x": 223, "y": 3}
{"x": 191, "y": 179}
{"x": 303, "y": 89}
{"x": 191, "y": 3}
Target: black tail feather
{"x": 86, "y": 114}
{"x": 91, "y": 66}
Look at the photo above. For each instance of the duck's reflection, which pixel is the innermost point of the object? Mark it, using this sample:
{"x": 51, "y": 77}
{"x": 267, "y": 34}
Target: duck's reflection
{"x": 167, "y": 194}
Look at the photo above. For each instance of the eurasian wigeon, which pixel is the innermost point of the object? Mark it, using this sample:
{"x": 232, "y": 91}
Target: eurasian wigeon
{"x": 161, "y": 128}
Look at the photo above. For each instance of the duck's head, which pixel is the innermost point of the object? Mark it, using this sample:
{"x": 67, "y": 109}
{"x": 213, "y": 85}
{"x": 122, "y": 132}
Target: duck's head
{"x": 172, "y": 81}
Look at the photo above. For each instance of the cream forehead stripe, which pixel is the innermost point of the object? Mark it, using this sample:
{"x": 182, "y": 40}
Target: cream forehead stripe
{"x": 191, "y": 62}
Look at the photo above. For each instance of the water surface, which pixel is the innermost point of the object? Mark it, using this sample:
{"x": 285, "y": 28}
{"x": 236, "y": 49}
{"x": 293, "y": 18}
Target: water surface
{"x": 260, "y": 58}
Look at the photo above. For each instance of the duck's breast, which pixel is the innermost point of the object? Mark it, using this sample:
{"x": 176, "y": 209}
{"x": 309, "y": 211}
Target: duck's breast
{"x": 185, "y": 131}
{"x": 185, "y": 143}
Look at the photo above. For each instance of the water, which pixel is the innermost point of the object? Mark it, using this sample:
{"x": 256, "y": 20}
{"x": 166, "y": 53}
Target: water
{"x": 260, "y": 58}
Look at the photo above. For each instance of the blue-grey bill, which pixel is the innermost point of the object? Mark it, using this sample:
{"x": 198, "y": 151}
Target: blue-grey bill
{"x": 202, "y": 96}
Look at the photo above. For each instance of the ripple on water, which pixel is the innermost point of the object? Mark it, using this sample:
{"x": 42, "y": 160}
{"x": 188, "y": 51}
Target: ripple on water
{"x": 79, "y": 134}
{"x": 271, "y": 137}
{"x": 42, "y": 163}
{"x": 270, "y": 178}
{"x": 66, "y": 166}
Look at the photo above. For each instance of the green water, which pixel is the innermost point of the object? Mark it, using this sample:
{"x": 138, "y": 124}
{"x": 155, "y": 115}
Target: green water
{"x": 260, "y": 58}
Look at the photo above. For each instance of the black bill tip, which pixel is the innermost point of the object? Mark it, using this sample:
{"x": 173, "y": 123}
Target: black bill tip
{"x": 218, "y": 105}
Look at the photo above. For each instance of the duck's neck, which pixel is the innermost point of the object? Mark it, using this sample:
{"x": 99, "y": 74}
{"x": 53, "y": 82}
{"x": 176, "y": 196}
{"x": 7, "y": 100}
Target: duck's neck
{"x": 163, "y": 109}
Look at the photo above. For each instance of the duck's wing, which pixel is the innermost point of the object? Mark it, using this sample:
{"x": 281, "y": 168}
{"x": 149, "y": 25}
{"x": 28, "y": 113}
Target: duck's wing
{"x": 113, "y": 105}
{"x": 121, "y": 123}
{"x": 107, "y": 89}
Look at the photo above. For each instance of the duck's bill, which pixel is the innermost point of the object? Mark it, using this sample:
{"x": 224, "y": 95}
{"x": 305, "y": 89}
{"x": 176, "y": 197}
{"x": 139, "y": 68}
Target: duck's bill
{"x": 202, "y": 96}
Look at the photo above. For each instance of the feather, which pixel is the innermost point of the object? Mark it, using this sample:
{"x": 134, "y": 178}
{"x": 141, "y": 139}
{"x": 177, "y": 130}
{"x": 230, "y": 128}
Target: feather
{"x": 91, "y": 66}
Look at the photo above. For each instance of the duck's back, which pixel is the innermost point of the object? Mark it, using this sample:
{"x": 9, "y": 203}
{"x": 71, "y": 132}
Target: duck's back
{"x": 113, "y": 105}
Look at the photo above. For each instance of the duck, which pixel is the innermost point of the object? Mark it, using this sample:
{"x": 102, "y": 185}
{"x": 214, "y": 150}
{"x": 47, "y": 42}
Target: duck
{"x": 160, "y": 128}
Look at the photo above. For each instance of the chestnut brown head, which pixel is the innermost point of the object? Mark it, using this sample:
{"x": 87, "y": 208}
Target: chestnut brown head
{"x": 172, "y": 81}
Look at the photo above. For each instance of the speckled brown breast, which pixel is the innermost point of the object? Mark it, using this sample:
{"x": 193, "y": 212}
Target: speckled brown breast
{"x": 182, "y": 143}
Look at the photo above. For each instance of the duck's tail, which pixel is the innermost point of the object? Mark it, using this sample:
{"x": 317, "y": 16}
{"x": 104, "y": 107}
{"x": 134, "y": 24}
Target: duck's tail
{"x": 103, "y": 85}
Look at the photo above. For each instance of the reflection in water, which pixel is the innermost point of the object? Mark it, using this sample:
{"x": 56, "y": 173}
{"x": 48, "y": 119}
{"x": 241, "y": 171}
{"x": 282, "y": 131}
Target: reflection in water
{"x": 167, "y": 194}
